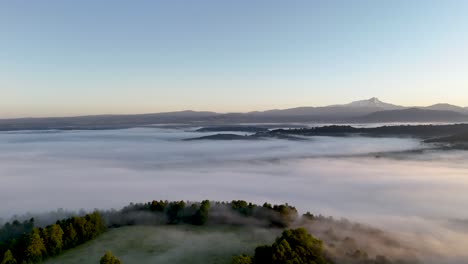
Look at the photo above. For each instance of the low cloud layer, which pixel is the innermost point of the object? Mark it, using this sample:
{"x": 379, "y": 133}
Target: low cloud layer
{"x": 418, "y": 197}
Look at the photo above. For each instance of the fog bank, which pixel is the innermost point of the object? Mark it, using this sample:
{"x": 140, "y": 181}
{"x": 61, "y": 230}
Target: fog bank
{"x": 418, "y": 197}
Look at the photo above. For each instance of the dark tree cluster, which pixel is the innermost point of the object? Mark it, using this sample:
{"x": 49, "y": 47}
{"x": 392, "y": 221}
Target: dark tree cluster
{"x": 33, "y": 244}
{"x": 108, "y": 258}
{"x": 14, "y": 230}
{"x": 294, "y": 246}
{"x": 276, "y": 215}
{"x": 420, "y": 131}
{"x": 159, "y": 213}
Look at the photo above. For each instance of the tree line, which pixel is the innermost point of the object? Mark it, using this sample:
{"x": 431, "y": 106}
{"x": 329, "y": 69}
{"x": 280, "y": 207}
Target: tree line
{"x": 180, "y": 212}
{"x": 24, "y": 243}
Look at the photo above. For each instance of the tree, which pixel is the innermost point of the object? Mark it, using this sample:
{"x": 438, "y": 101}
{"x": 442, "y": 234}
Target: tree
{"x": 79, "y": 224}
{"x": 8, "y": 258}
{"x": 35, "y": 250}
{"x": 175, "y": 212}
{"x": 295, "y": 246}
{"x": 94, "y": 225}
{"x": 241, "y": 206}
{"x": 242, "y": 259}
{"x": 108, "y": 258}
{"x": 158, "y": 206}
{"x": 263, "y": 254}
{"x": 15, "y": 229}
{"x": 54, "y": 239}
{"x": 288, "y": 214}
{"x": 201, "y": 215}
{"x": 70, "y": 236}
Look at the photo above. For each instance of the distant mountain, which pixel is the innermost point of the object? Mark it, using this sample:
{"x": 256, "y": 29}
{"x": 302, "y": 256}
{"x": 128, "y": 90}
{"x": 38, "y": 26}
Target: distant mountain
{"x": 370, "y": 110}
{"x": 104, "y": 121}
{"x": 352, "y": 109}
{"x": 414, "y": 115}
{"x": 446, "y": 107}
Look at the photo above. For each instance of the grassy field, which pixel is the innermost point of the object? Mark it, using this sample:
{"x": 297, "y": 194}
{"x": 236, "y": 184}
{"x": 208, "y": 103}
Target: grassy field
{"x": 170, "y": 244}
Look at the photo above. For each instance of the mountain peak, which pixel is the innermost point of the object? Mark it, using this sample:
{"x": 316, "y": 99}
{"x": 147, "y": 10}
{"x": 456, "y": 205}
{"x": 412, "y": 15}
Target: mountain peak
{"x": 373, "y": 102}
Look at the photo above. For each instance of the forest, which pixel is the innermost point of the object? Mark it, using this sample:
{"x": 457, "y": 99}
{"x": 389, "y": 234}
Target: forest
{"x": 24, "y": 243}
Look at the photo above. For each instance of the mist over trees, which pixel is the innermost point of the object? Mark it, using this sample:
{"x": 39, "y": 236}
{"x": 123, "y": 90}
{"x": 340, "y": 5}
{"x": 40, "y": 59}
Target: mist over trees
{"x": 22, "y": 242}
{"x": 237, "y": 212}
{"x": 297, "y": 246}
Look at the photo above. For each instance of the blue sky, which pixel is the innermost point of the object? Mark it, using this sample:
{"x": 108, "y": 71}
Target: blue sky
{"x": 63, "y": 57}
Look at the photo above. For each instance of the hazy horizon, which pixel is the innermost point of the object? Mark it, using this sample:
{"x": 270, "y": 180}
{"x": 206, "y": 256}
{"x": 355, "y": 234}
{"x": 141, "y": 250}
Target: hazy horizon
{"x": 210, "y": 110}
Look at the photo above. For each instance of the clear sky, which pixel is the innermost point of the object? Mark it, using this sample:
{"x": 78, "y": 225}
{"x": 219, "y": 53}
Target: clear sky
{"x": 64, "y": 57}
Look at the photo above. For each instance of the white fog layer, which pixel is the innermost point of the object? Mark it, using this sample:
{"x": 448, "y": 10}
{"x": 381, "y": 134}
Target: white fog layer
{"x": 421, "y": 196}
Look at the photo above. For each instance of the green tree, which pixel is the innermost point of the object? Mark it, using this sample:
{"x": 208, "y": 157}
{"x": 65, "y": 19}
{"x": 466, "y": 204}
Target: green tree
{"x": 35, "y": 250}
{"x": 295, "y": 246}
{"x": 8, "y": 258}
{"x": 79, "y": 224}
{"x": 175, "y": 212}
{"x": 288, "y": 214}
{"x": 54, "y": 239}
{"x": 242, "y": 259}
{"x": 158, "y": 206}
{"x": 70, "y": 237}
{"x": 94, "y": 226}
{"x": 201, "y": 216}
{"x": 108, "y": 258}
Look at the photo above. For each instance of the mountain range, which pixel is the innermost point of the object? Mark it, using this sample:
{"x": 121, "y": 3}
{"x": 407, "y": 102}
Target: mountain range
{"x": 363, "y": 111}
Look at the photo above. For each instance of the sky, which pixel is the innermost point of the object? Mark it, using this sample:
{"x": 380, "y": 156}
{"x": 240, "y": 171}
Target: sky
{"x": 63, "y": 57}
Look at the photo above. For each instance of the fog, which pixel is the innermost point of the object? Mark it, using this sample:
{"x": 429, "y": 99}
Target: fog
{"x": 171, "y": 245}
{"x": 420, "y": 197}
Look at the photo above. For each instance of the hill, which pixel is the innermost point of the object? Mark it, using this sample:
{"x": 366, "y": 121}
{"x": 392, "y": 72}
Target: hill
{"x": 446, "y": 107}
{"x": 169, "y": 232}
{"x": 416, "y": 131}
{"x": 352, "y": 109}
{"x": 414, "y": 115}
{"x": 461, "y": 138}
{"x": 371, "y": 110}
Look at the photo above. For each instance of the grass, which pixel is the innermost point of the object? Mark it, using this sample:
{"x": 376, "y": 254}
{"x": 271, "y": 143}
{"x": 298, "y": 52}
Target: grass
{"x": 170, "y": 244}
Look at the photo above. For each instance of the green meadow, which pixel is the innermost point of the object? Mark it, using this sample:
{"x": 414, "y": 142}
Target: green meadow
{"x": 170, "y": 244}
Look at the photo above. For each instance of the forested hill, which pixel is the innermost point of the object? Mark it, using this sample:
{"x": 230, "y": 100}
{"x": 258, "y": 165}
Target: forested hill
{"x": 455, "y": 133}
{"x": 419, "y": 131}
{"x": 26, "y": 243}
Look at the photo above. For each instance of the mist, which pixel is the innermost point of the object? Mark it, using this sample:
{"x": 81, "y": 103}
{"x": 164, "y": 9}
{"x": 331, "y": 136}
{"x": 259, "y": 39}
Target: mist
{"x": 418, "y": 197}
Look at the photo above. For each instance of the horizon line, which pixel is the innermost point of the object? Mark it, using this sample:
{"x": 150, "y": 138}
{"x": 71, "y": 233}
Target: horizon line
{"x": 221, "y": 112}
